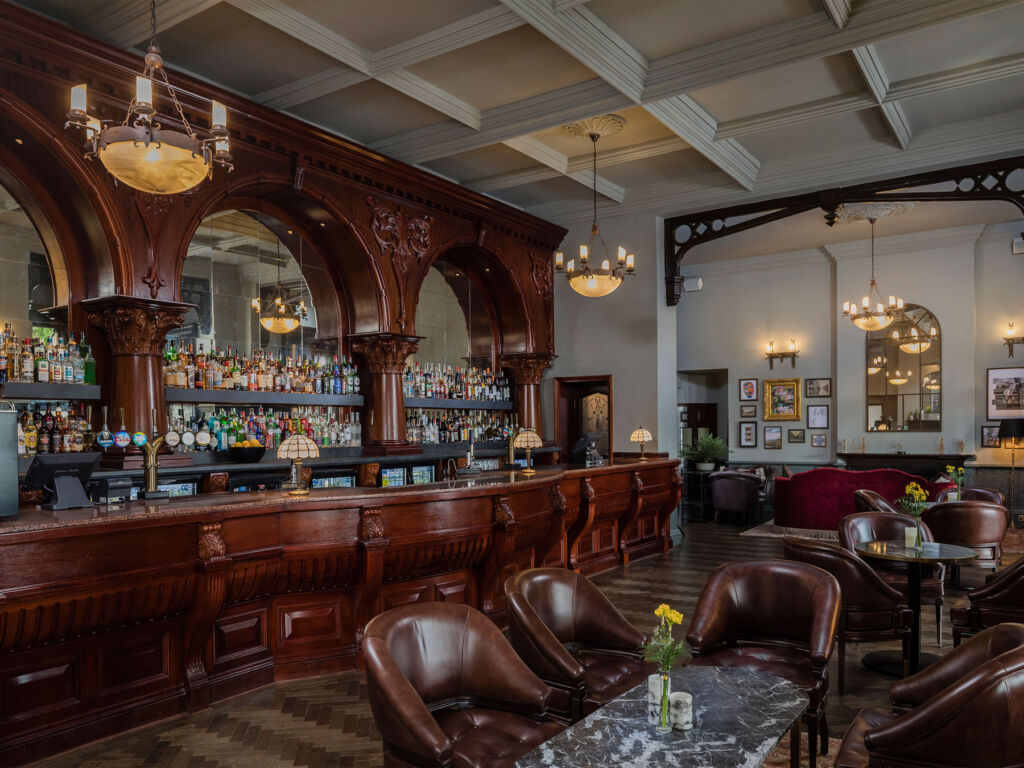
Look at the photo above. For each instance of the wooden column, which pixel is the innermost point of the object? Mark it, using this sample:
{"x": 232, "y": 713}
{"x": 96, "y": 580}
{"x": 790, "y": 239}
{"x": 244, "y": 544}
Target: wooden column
{"x": 384, "y": 355}
{"x": 526, "y": 370}
{"x": 136, "y": 330}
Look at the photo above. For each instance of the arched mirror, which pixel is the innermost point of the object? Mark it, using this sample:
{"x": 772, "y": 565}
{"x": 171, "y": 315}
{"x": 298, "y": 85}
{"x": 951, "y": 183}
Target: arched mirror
{"x": 904, "y": 373}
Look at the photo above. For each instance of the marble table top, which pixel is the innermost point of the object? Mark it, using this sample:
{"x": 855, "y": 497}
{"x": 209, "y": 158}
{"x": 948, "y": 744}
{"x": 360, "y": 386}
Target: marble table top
{"x": 739, "y": 715}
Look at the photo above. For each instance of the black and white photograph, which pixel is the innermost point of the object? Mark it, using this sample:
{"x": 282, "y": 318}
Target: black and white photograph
{"x": 773, "y": 437}
{"x": 748, "y": 434}
{"x": 748, "y": 411}
{"x": 819, "y": 441}
{"x": 818, "y": 387}
{"x": 817, "y": 417}
{"x": 1004, "y": 392}
{"x": 989, "y": 435}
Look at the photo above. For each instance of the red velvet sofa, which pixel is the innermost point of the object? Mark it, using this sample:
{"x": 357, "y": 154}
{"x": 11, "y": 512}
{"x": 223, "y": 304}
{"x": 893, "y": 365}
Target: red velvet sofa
{"x": 820, "y": 498}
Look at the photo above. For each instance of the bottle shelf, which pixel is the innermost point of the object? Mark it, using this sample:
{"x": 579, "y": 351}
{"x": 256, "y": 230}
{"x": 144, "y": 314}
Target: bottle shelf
{"x": 443, "y": 404}
{"x": 30, "y": 390}
{"x": 244, "y": 397}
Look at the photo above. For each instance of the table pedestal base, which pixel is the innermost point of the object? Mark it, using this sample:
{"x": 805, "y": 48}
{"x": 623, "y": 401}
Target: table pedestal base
{"x": 890, "y": 663}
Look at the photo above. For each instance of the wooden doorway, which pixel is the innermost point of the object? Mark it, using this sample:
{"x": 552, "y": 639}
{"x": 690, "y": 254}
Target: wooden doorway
{"x": 579, "y": 408}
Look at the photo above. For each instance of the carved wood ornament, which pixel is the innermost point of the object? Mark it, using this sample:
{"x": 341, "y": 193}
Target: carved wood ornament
{"x": 135, "y": 326}
{"x": 385, "y": 352}
{"x": 401, "y": 238}
{"x": 371, "y": 523}
{"x": 526, "y": 368}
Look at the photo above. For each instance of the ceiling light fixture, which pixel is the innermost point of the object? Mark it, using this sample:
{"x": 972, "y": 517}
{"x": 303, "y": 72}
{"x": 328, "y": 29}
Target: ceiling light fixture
{"x": 897, "y": 378}
{"x": 882, "y": 316}
{"x": 140, "y": 151}
{"x": 284, "y": 316}
{"x": 582, "y": 278}
{"x": 877, "y": 364}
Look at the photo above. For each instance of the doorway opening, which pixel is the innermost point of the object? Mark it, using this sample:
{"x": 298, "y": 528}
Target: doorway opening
{"x": 703, "y": 405}
{"x": 583, "y": 409}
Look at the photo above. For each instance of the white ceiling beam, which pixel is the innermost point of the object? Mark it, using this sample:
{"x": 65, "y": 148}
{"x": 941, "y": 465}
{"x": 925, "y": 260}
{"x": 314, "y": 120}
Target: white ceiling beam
{"x": 584, "y": 36}
{"x": 559, "y": 163}
{"x": 692, "y": 123}
{"x": 878, "y": 82}
{"x": 800, "y": 113}
{"x": 309, "y": 88}
{"x": 838, "y": 11}
{"x": 404, "y": 81}
{"x": 126, "y": 22}
{"x": 459, "y": 34}
{"x": 563, "y": 5}
{"x": 808, "y": 37}
{"x": 971, "y": 74}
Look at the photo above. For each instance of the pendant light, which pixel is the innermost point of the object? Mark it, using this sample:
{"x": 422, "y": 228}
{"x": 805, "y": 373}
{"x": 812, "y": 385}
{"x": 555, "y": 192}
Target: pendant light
{"x": 282, "y": 316}
{"x": 880, "y": 316}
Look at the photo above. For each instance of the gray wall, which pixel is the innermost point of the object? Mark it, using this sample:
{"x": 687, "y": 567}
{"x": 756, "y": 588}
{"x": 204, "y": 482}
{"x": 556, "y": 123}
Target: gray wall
{"x": 440, "y": 319}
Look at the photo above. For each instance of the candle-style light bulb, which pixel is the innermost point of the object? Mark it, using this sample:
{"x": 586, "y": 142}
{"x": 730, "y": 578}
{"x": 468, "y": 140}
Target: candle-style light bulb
{"x": 879, "y": 307}
{"x": 571, "y": 266}
{"x": 892, "y": 301}
{"x": 92, "y": 127}
{"x": 899, "y": 303}
{"x": 769, "y": 347}
{"x": 846, "y": 307}
{"x": 143, "y": 91}
{"x": 630, "y": 261}
{"x": 219, "y": 115}
{"x": 559, "y": 258}
{"x": 605, "y": 265}
{"x": 584, "y": 252}
{"x": 622, "y": 255}
{"x": 79, "y": 96}
{"x": 866, "y": 302}
{"x": 792, "y": 345}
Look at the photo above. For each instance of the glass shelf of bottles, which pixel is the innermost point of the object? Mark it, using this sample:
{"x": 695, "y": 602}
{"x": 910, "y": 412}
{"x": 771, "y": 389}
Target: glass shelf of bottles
{"x": 454, "y": 387}
{"x": 260, "y": 379}
{"x": 430, "y": 426}
{"x": 219, "y": 429}
{"x": 46, "y": 369}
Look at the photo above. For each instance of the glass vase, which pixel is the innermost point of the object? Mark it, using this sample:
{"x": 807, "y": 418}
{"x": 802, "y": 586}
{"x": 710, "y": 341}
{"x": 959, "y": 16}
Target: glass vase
{"x": 664, "y": 721}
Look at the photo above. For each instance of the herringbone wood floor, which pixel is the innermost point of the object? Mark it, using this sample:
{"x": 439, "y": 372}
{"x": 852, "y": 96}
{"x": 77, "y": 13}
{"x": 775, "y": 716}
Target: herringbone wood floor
{"x": 326, "y": 721}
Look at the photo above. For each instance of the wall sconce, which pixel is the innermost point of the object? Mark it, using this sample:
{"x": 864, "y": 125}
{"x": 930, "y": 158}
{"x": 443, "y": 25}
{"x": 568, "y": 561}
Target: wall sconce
{"x": 1010, "y": 338}
{"x": 771, "y": 355}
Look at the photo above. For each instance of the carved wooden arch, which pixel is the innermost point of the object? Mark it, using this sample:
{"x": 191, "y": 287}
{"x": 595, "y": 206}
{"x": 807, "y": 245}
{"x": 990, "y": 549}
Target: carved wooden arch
{"x": 66, "y": 203}
{"x": 354, "y": 298}
{"x": 1001, "y": 180}
{"x": 505, "y": 300}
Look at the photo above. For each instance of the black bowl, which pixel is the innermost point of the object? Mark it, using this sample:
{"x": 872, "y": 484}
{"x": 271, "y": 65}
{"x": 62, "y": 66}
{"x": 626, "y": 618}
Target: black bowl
{"x": 238, "y": 453}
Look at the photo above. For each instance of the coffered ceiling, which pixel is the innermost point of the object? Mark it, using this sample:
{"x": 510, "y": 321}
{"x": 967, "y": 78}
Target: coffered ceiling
{"x": 726, "y": 101}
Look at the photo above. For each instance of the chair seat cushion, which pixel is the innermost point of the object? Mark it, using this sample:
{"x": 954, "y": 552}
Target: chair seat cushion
{"x": 791, "y": 664}
{"x": 490, "y": 738}
{"x": 852, "y": 752}
{"x": 931, "y": 588}
{"x": 608, "y": 675}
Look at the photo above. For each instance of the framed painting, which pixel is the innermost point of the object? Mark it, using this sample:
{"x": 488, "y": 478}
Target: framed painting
{"x": 748, "y": 434}
{"x": 773, "y": 438}
{"x": 782, "y": 399}
{"x": 796, "y": 436}
{"x": 748, "y": 411}
{"x": 1004, "y": 393}
{"x": 748, "y": 389}
{"x": 817, "y": 417}
{"x": 990, "y": 436}
{"x": 818, "y": 387}
{"x": 819, "y": 441}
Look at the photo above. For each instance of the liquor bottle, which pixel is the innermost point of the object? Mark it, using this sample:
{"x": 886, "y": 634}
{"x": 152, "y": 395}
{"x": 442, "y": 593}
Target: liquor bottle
{"x": 42, "y": 365}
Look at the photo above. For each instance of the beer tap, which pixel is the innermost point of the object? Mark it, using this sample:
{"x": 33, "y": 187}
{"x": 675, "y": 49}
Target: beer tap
{"x": 150, "y": 448}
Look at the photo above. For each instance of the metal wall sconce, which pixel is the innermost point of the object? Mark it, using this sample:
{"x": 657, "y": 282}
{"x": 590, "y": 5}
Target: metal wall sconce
{"x": 1010, "y": 338}
{"x": 771, "y": 355}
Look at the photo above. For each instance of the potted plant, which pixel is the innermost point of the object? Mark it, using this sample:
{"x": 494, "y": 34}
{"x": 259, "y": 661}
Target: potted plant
{"x": 956, "y": 474}
{"x": 664, "y": 650}
{"x": 913, "y": 504}
{"x": 706, "y": 452}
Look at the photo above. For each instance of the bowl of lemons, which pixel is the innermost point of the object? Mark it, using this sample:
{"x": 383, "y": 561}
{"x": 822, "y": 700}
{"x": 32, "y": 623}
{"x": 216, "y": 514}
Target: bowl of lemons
{"x": 247, "y": 450}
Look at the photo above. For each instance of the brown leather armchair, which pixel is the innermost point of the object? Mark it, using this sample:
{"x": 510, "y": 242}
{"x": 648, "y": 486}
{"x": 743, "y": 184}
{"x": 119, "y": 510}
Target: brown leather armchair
{"x": 1000, "y": 600}
{"x": 872, "y": 501}
{"x": 978, "y": 525}
{"x": 446, "y": 689}
{"x": 974, "y": 494}
{"x": 573, "y": 638}
{"x": 889, "y": 526}
{"x": 735, "y": 494}
{"x": 961, "y": 712}
{"x": 773, "y": 616}
{"x": 871, "y": 609}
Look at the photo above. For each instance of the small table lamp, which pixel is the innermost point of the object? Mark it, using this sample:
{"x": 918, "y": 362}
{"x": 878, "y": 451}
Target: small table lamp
{"x": 529, "y": 439}
{"x": 297, "y": 448}
{"x": 641, "y": 435}
{"x": 1012, "y": 430}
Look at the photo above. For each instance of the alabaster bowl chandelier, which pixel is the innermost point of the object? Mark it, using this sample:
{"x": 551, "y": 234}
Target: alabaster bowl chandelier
{"x": 142, "y": 152}
{"x": 873, "y": 314}
{"x": 281, "y": 315}
{"x": 584, "y": 278}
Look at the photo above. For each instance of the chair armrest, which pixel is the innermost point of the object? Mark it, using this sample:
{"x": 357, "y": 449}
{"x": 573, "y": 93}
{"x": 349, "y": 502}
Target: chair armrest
{"x": 538, "y": 646}
{"x": 402, "y": 717}
{"x": 915, "y": 690}
{"x": 495, "y": 672}
{"x": 823, "y": 625}
{"x": 609, "y": 630}
{"x": 709, "y": 627}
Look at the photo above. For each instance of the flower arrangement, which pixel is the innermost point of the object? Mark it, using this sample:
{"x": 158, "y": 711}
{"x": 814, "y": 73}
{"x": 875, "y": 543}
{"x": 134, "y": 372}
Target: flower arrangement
{"x": 664, "y": 650}
{"x": 956, "y": 474}
{"x": 913, "y": 504}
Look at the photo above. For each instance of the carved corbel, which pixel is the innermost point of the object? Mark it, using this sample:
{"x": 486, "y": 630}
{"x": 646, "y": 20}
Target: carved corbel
{"x": 502, "y": 551}
{"x": 665, "y": 511}
{"x": 584, "y": 519}
{"x": 556, "y": 531}
{"x": 372, "y": 546}
{"x": 636, "y": 504}
{"x": 212, "y": 565}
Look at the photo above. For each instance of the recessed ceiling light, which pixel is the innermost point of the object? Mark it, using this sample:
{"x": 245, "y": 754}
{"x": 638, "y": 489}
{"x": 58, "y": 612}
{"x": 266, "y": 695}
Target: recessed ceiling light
{"x": 19, "y": 141}
{"x": 487, "y": 269}
{"x": 322, "y": 224}
{"x": 290, "y": 232}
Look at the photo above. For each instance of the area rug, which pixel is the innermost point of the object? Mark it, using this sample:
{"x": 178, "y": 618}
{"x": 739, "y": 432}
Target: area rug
{"x": 770, "y": 530}
{"x": 779, "y": 757}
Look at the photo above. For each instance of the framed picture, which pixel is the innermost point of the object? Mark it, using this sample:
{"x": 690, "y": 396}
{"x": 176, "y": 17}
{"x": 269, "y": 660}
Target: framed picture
{"x": 782, "y": 399}
{"x": 748, "y": 389}
{"x": 989, "y": 436}
{"x": 773, "y": 437}
{"x": 819, "y": 441}
{"x": 796, "y": 436}
{"x": 818, "y": 387}
{"x": 1004, "y": 393}
{"x": 748, "y": 434}
{"x": 748, "y": 411}
{"x": 817, "y": 417}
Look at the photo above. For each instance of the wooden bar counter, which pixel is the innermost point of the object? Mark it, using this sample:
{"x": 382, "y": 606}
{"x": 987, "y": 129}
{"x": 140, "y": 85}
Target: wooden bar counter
{"x": 119, "y": 616}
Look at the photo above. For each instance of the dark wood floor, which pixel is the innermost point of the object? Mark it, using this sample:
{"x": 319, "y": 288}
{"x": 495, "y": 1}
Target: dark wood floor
{"x": 326, "y": 721}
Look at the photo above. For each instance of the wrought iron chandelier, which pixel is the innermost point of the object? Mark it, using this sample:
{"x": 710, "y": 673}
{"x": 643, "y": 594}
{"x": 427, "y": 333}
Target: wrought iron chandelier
{"x": 584, "y": 279}
{"x": 284, "y": 316}
{"x": 882, "y": 316}
{"x": 140, "y": 151}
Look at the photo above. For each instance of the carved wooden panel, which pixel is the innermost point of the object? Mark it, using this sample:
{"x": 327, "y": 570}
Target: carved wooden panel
{"x": 51, "y": 683}
{"x": 239, "y": 636}
{"x": 251, "y": 580}
{"x": 410, "y": 560}
{"x": 317, "y": 570}
{"x": 313, "y": 622}
{"x": 396, "y": 595}
{"x": 143, "y": 659}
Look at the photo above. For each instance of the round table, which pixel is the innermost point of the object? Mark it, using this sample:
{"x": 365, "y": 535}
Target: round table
{"x": 929, "y": 553}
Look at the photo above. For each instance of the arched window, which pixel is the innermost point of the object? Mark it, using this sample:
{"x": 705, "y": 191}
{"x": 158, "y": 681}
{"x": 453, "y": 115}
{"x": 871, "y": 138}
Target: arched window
{"x": 904, "y": 373}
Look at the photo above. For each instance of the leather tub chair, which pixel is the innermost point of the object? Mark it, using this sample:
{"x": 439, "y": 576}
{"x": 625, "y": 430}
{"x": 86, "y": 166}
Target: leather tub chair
{"x": 974, "y": 494}
{"x": 886, "y": 526}
{"x": 573, "y": 638}
{"x": 448, "y": 691}
{"x": 871, "y": 609}
{"x": 1000, "y": 600}
{"x": 977, "y": 525}
{"x": 735, "y": 494}
{"x": 773, "y": 616}
{"x": 872, "y": 501}
{"x": 964, "y": 711}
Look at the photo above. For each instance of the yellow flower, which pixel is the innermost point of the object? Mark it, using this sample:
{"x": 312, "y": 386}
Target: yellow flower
{"x": 949, "y": 469}
{"x": 916, "y": 492}
{"x": 675, "y": 617}
{"x": 662, "y": 611}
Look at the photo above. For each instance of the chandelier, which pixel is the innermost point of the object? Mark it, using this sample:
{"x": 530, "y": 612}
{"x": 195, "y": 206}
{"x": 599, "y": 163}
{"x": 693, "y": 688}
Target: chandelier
{"x": 898, "y": 378}
{"x": 283, "y": 316}
{"x": 140, "y": 151}
{"x": 877, "y": 364}
{"x": 583, "y": 278}
{"x": 915, "y": 343}
{"x": 882, "y": 316}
